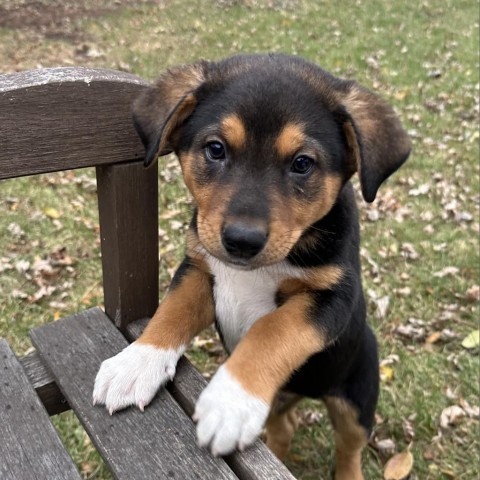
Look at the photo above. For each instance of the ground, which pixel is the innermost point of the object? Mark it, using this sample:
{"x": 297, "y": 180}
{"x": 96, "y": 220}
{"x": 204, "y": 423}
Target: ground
{"x": 420, "y": 238}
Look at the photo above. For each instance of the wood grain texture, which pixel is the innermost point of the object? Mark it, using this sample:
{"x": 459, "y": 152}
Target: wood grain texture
{"x": 62, "y": 118}
{"x": 159, "y": 443}
{"x": 128, "y": 212}
{"x": 257, "y": 462}
{"x": 30, "y": 447}
{"x": 44, "y": 384}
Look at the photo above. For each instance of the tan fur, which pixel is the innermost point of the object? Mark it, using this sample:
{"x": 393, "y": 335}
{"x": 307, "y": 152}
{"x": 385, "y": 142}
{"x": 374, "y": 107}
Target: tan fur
{"x": 234, "y": 132}
{"x": 353, "y": 147}
{"x": 282, "y": 423}
{"x": 290, "y": 140}
{"x": 274, "y": 347}
{"x": 306, "y": 214}
{"x": 371, "y": 114}
{"x": 360, "y": 106}
{"x": 179, "y": 81}
{"x": 185, "y": 311}
{"x": 280, "y": 431}
{"x": 187, "y": 162}
{"x": 152, "y": 108}
{"x": 350, "y": 438}
{"x": 182, "y": 111}
{"x": 291, "y": 217}
{"x": 385, "y": 144}
{"x": 320, "y": 278}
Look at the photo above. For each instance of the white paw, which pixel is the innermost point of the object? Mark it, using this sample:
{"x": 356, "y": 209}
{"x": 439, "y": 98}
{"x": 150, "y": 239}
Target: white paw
{"x": 134, "y": 376}
{"x": 227, "y": 416}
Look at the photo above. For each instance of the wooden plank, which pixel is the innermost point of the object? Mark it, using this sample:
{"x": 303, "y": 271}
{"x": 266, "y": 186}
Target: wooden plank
{"x": 128, "y": 211}
{"x": 159, "y": 443}
{"x": 30, "y": 447}
{"x": 257, "y": 461}
{"x": 69, "y": 117}
{"x": 44, "y": 384}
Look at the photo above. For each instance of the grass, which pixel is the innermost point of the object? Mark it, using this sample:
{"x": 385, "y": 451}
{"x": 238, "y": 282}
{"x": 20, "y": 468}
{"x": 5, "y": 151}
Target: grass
{"x": 423, "y": 58}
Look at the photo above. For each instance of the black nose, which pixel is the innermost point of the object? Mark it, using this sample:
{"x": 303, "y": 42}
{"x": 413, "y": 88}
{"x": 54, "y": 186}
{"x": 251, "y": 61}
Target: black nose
{"x": 244, "y": 241}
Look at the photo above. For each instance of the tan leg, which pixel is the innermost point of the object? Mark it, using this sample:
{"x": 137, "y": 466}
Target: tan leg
{"x": 282, "y": 423}
{"x": 350, "y": 438}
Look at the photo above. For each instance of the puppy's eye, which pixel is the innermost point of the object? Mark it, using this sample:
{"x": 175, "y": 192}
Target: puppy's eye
{"x": 215, "y": 151}
{"x": 302, "y": 165}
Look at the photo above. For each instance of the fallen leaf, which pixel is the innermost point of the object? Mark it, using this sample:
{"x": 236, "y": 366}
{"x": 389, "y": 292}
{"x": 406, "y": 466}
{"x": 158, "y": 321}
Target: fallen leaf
{"x": 22, "y": 266}
{"x": 472, "y": 412}
{"x": 52, "y": 213}
{"x": 390, "y": 359}
{"x": 473, "y": 293}
{"x": 44, "y": 291}
{"x": 310, "y": 417}
{"x": 433, "y": 337}
{"x": 472, "y": 340}
{"x": 411, "y": 331}
{"x": 399, "y": 466}
{"x": 451, "y": 416}
{"x": 409, "y": 428}
{"x": 386, "y": 446}
{"x": 421, "y": 190}
{"x": 446, "y": 271}
{"x": 382, "y": 306}
{"x": 408, "y": 251}
{"x": 18, "y": 294}
{"x": 15, "y": 230}
{"x": 386, "y": 373}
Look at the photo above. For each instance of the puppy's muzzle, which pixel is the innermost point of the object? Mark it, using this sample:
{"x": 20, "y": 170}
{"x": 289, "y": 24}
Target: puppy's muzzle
{"x": 243, "y": 240}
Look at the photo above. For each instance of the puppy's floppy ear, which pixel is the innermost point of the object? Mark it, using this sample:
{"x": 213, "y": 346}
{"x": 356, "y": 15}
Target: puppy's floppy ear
{"x": 377, "y": 142}
{"x": 163, "y": 107}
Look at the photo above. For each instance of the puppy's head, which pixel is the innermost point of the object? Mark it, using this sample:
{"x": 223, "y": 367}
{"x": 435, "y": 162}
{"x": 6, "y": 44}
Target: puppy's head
{"x": 266, "y": 143}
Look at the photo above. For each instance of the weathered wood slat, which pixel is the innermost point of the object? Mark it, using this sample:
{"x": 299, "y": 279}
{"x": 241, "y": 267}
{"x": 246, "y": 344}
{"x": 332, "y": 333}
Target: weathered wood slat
{"x": 128, "y": 210}
{"x": 257, "y": 461}
{"x": 30, "y": 447}
{"x": 60, "y": 118}
{"x": 44, "y": 384}
{"x": 159, "y": 443}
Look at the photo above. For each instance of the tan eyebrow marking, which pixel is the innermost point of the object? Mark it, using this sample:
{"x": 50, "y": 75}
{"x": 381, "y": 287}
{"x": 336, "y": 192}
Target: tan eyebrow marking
{"x": 234, "y": 131}
{"x": 290, "y": 139}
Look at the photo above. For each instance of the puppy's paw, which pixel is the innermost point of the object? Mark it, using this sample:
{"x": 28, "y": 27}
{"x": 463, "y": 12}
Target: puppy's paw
{"x": 227, "y": 416}
{"x": 134, "y": 376}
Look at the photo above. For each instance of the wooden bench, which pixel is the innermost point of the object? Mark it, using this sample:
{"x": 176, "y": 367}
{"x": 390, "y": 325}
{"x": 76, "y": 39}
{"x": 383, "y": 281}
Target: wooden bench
{"x": 66, "y": 118}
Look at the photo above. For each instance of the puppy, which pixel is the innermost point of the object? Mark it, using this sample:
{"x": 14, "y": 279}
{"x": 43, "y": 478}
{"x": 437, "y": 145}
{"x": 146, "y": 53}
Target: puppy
{"x": 267, "y": 146}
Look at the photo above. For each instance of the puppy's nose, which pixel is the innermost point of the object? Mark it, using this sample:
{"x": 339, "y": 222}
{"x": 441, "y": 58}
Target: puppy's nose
{"x": 243, "y": 240}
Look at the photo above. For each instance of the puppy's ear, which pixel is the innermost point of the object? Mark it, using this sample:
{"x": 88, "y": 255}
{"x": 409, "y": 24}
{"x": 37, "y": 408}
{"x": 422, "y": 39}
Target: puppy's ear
{"x": 163, "y": 107}
{"x": 377, "y": 142}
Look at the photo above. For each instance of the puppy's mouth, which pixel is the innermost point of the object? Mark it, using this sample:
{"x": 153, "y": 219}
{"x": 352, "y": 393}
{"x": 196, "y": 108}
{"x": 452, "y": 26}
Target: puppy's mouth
{"x": 241, "y": 264}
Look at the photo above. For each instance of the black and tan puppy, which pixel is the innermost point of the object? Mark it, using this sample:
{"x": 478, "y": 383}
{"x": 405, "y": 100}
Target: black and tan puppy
{"x": 267, "y": 146}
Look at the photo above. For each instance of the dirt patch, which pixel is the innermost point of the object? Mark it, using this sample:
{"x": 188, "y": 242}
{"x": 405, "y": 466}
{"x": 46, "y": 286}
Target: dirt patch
{"x": 58, "y": 18}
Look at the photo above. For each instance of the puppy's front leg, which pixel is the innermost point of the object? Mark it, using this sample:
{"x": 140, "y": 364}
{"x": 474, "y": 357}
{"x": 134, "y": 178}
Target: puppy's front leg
{"x": 134, "y": 376}
{"x": 232, "y": 410}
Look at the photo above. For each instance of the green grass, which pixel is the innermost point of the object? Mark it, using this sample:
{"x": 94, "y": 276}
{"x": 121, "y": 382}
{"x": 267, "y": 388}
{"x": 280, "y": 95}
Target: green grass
{"x": 394, "y": 48}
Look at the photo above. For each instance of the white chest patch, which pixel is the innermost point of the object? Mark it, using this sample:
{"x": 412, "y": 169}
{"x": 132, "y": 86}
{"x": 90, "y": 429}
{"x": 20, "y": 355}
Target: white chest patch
{"x": 242, "y": 297}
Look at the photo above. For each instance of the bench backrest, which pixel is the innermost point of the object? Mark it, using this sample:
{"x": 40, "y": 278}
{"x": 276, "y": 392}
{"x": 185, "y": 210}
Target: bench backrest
{"x": 65, "y": 118}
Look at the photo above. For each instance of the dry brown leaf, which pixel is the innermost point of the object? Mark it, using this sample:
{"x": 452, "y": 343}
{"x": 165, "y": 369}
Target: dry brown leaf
{"x": 399, "y": 466}
{"x": 446, "y": 271}
{"x": 310, "y": 417}
{"x": 386, "y": 446}
{"x": 451, "y": 416}
{"x": 433, "y": 338}
{"x": 408, "y": 251}
{"x": 473, "y": 293}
